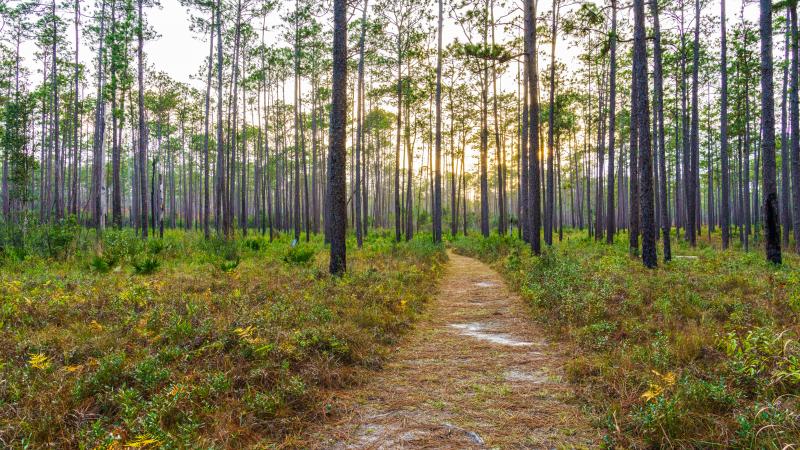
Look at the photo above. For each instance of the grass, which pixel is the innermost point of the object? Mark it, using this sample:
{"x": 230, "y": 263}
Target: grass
{"x": 187, "y": 343}
{"x": 700, "y": 352}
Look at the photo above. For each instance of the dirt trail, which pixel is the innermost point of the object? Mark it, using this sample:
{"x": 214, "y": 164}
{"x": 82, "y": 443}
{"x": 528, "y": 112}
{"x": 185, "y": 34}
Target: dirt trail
{"x": 474, "y": 373}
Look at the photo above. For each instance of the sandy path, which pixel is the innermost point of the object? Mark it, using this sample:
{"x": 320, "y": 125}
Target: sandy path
{"x": 475, "y": 373}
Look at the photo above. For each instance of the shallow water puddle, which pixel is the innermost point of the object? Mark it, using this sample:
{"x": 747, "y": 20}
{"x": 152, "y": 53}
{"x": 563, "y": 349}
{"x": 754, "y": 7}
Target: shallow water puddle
{"x": 527, "y": 377}
{"x": 479, "y": 331}
{"x": 485, "y": 284}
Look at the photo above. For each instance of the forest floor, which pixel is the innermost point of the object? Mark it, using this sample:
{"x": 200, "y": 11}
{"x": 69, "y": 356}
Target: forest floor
{"x": 474, "y": 373}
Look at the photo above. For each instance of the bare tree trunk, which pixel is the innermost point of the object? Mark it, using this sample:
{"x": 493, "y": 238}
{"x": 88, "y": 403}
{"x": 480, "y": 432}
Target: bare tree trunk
{"x": 220, "y": 175}
{"x": 795, "y": 130}
{"x": 785, "y": 159}
{"x": 337, "y": 189}
{"x": 649, "y": 255}
{"x": 549, "y": 193}
{"x": 57, "y": 192}
{"x": 437, "y": 190}
{"x": 484, "y": 139}
{"x": 99, "y": 129}
{"x": 357, "y": 201}
{"x": 772, "y": 225}
{"x": 633, "y": 169}
{"x": 534, "y": 192}
{"x": 397, "y": 204}
{"x": 658, "y": 81}
{"x": 612, "y": 111}
{"x": 725, "y": 206}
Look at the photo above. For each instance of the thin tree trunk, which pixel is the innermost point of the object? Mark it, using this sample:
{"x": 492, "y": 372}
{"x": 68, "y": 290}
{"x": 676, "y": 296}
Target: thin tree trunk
{"x": 794, "y": 117}
{"x": 142, "y": 124}
{"x": 612, "y": 111}
{"x": 437, "y": 189}
{"x": 725, "y": 206}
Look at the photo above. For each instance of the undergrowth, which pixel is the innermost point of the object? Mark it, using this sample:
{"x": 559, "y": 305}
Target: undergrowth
{"x": 186, "y": 343}
{"x": 700, "y": 352}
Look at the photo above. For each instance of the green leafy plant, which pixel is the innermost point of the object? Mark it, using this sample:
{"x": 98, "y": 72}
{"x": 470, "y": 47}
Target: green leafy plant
{"x": 146, "y": 265}
{"x": 99, "y": 264}
{"x": 228, "y": 266}
{"x": 299, "y": 254}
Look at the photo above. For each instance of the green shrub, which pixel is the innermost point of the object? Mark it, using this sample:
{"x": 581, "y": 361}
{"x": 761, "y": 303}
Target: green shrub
{"x": 99, "y": 264}
{"x": 255, "y": 244}
{"x": 145, "y": 265}
{"x": 155, "y": 246}
{"x": 228, "y": 266}
{"x": 150, "y": 373}
{"x": 119, "y": 245}
{"x": 109, "y": 374}
{"x": 299, "y": 254}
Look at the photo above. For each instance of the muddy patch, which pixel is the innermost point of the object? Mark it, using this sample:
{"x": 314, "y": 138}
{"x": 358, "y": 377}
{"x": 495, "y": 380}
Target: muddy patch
{"x": 482, "y": 332}
{"x": 520, "y": 376}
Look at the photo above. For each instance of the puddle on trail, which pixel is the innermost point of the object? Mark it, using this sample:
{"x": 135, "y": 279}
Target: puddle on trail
{"x": 479, "y": 331}
{"x": 486, "y": 284}
{"x": 526, "y": 377}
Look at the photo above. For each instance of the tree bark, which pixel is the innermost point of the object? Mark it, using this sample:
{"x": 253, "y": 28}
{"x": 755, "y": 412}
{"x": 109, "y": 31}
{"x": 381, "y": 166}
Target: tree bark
{"x": 437, "y": 190}
{"x": 725, "y": 206}
{"x": 337, "y": 156}
{"x": 534, "y": 192}
{"x": 612, "y": 112}
{"x": 772, "y": 220}
{"x": 658, "y": 82}
{"x": 649, "y": 255}
{"x": 142, "y": 125}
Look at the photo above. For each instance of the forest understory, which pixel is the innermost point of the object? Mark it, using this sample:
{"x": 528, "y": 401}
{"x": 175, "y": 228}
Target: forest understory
{"x": 187, "y": 343}
{"x": 183, "y": 342}
{"x": 701, "y": 352}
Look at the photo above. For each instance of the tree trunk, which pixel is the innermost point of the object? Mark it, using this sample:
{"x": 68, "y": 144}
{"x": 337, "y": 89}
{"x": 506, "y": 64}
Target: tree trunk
{"x": 437, "y": 189}
{"x": 612, "y": 112}
{"x": 206, "y": 120}
{"x": 772, "y": 221}
{"x": 658, "y": 82}
{"x": 649, "y": 255}
{"x": 785, "y": 188}
{"x": 360, "y": 128}
{"x": 549, "y": 192}
{"x": 534, "y": 192}
{"x": 142, "y": 124}
{"x": 397, "y": 204}
{"x": 337, "y": 156}
{"x": 795, "y": 130}
{"x": 633, "y": 167}
{"x": 725, "y": 206}
{"x": 99, "y": 128}
{"x": 220, "y": 174}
